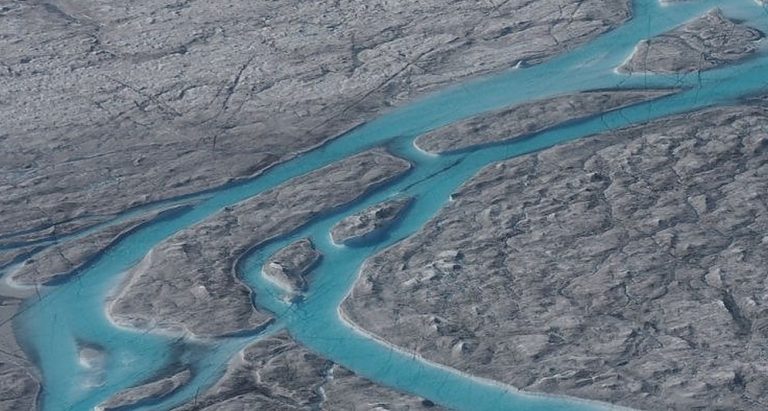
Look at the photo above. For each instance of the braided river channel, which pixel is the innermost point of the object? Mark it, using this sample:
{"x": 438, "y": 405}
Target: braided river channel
{"x": 53, "y": 322}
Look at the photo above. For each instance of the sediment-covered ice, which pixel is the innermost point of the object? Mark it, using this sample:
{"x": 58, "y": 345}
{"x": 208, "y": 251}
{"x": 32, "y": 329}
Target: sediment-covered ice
{"x": 277, "y": 373}
{"x": 707, "y": 42}
{"x": 532, "y": 117}
{"x": 188, "y": 282}
{"x": 120, "y": 105}
{"x": 290, "y": 265}
{"x": 369, "y": 222}
{"x": 152, "y": 390}
{"x": 627, "y": 268}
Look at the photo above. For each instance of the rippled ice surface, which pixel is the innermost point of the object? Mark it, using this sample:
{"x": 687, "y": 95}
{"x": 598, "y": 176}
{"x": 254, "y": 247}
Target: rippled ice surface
{"x": 73, "y": 313}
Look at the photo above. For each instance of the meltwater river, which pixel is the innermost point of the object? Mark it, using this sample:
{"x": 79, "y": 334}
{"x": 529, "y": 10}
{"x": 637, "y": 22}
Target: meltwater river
{"x": 74, "y": 312}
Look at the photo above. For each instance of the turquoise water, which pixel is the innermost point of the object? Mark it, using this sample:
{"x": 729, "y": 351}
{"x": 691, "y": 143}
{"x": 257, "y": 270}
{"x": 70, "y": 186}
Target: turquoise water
{"x": 73, "y": 313}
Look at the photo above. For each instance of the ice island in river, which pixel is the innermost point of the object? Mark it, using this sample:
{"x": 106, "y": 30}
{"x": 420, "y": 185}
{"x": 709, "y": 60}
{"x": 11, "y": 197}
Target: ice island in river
{"x": 551, "y": 205}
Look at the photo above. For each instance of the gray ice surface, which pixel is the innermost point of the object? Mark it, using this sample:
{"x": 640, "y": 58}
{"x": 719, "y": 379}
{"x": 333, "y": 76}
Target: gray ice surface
{"x": 710, "y": 41}
{"x": 628, "y": 267}
{"x": 369, "y": 222}
{"x": 277, "y": 373}
{"x": 290, "y": 265}
{"x": 189, "y": 281}
{"x": 532, "y": 117}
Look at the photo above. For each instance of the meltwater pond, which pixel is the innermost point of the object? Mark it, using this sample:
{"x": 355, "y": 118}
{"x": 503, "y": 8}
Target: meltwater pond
{"x": 69, "y": 316}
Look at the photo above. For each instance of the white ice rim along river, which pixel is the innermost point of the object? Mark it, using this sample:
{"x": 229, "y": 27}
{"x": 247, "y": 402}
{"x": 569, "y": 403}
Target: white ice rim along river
{"x": 51, "y": 326}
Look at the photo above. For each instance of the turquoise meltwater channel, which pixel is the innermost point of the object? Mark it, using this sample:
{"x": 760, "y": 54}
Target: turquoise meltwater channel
{"x": 52, "y": 326}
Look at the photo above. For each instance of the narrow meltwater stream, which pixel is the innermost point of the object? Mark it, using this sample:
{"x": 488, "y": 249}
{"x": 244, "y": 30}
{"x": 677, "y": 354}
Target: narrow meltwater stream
{"x": 73, "y": 313}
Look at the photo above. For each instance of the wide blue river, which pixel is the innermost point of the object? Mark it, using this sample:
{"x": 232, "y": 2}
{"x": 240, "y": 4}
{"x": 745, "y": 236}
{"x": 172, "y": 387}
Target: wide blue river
{"x": 52, "y": 327}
